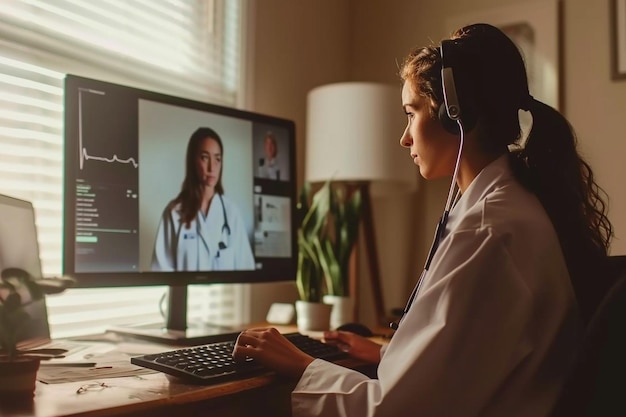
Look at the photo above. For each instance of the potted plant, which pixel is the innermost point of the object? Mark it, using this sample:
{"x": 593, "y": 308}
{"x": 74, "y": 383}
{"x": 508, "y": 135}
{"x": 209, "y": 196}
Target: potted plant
{"x": 336, "y": 248}
{"x": 19, "y": 289}
{"x": 339, "y": 238}
{"x": 328, "y": 232}
{"x": 311, "y": 312}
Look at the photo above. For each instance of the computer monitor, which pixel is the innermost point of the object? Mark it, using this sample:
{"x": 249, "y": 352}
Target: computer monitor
{"x": 19, "y": 248}
{"x": 163, "y": 190}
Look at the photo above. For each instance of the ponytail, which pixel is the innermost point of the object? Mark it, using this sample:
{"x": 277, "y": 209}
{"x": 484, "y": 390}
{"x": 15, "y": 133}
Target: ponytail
{"x": 550, "y": 166}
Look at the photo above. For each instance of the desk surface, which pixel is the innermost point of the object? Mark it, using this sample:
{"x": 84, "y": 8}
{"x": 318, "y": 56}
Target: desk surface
{"x": 156, "y": 394}
{"x": 151, "y": 394}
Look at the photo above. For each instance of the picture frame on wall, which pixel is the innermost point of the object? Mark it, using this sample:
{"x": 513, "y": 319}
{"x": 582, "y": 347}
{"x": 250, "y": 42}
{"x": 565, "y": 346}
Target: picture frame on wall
{"x": 618, "y": 39}
{"x": 535, "y": 26}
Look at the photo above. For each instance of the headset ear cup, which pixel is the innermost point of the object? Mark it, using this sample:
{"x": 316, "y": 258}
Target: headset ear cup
{"x": 447, "y": 123}
{"x": 469, "y": 121}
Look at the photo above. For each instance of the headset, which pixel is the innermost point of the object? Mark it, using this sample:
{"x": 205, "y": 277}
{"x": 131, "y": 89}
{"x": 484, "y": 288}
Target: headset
{"x": 454, "y": 121}
{"x": 450, "y": 110}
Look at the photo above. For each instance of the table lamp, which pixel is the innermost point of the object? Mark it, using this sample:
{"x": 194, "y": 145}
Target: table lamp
{"x": 352, "y": 136}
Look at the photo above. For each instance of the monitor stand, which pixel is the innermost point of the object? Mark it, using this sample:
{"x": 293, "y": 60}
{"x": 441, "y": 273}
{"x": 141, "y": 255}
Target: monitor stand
{"x": 176, "y": 331}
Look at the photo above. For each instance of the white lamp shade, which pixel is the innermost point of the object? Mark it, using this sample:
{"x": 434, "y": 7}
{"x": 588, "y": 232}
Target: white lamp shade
{"x": 353, "y": 134}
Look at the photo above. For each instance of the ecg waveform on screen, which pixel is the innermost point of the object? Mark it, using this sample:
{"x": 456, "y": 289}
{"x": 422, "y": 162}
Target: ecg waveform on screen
{"x": 114, "y": 159}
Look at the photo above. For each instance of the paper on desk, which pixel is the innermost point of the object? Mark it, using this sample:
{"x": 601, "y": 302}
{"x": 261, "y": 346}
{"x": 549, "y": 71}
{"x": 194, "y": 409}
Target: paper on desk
{"x": 108, "y": 365}
{"x": 134, "y": 349}
{"x": 78, "y": 354}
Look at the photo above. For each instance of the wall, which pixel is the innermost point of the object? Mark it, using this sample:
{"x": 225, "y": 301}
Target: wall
{"x": 596, "y": 105}
{"x": 294, "y": 46}
{"x": 299, "y": 45}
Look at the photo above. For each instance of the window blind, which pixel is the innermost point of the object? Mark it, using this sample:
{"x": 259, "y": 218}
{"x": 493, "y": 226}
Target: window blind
{"x": 188, "y": 48}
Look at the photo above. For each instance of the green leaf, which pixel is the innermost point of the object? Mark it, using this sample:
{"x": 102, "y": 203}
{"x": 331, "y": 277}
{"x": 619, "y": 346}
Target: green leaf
{"x": 326, "y": 238}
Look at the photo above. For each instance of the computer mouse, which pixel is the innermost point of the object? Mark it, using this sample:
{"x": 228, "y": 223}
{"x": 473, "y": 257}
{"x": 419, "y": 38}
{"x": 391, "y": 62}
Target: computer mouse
{"x": 356, "y": 328}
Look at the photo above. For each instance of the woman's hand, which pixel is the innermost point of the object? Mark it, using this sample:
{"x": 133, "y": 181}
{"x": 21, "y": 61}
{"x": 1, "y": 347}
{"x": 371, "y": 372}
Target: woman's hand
{"x": 273, "y": 350}
{"x": 356, "y": 346}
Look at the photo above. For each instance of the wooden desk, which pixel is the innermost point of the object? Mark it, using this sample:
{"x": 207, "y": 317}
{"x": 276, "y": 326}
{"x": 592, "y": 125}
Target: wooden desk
{"x": 161, "y": 395}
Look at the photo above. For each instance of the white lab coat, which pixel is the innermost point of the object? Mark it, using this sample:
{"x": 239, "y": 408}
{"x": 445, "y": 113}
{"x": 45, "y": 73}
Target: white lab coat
{"x": 492, "y": 331}
{"x": 196, "y": 248}
{"x": 270, "y": 170}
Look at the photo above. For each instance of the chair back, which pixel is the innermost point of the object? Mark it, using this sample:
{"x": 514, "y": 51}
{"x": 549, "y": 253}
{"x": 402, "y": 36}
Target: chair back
{"x": 597, "y": 385}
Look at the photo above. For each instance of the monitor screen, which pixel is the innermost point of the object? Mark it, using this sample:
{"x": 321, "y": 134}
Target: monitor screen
{"x": 19, "y": 248}
{"x": 161, "y": 190}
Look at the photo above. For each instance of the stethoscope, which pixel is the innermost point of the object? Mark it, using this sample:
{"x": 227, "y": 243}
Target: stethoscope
{"x": 225, "y": 229}
{"x": 441, "y": 227}
{"x": 225, "y": 233}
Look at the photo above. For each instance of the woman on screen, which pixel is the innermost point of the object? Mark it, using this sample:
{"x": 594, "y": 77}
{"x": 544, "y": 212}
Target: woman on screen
{"x": 201, "y": 229}
{"x": 268, "y": 166}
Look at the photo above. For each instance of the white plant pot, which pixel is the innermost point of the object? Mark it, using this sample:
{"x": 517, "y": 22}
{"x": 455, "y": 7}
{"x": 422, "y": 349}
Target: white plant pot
{"x": 343, "y": 310}
{"x": 312, "y": 316}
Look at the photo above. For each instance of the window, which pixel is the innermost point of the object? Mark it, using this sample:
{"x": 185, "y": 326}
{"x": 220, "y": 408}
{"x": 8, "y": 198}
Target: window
{"x": 189, "y": 48}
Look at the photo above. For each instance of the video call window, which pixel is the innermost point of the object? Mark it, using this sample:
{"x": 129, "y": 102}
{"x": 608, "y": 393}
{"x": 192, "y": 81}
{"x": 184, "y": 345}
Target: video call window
{"x": 139, "y": 165}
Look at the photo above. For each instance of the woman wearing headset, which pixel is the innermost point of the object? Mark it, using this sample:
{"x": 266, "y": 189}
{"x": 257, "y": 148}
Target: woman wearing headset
{"x": 493, "y": 326}
{"x": 201, "y": 229}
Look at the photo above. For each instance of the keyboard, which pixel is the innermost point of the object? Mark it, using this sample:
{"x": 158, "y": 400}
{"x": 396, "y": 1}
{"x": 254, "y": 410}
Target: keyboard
{"x": 213, "y": 363}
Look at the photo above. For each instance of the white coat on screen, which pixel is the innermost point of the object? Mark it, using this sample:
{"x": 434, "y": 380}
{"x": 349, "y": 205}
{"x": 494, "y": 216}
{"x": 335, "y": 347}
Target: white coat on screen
{"x": 217, "y": 241}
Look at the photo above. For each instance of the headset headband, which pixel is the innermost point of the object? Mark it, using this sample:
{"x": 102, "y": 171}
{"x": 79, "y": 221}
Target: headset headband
{"x": 451, "y": 100}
